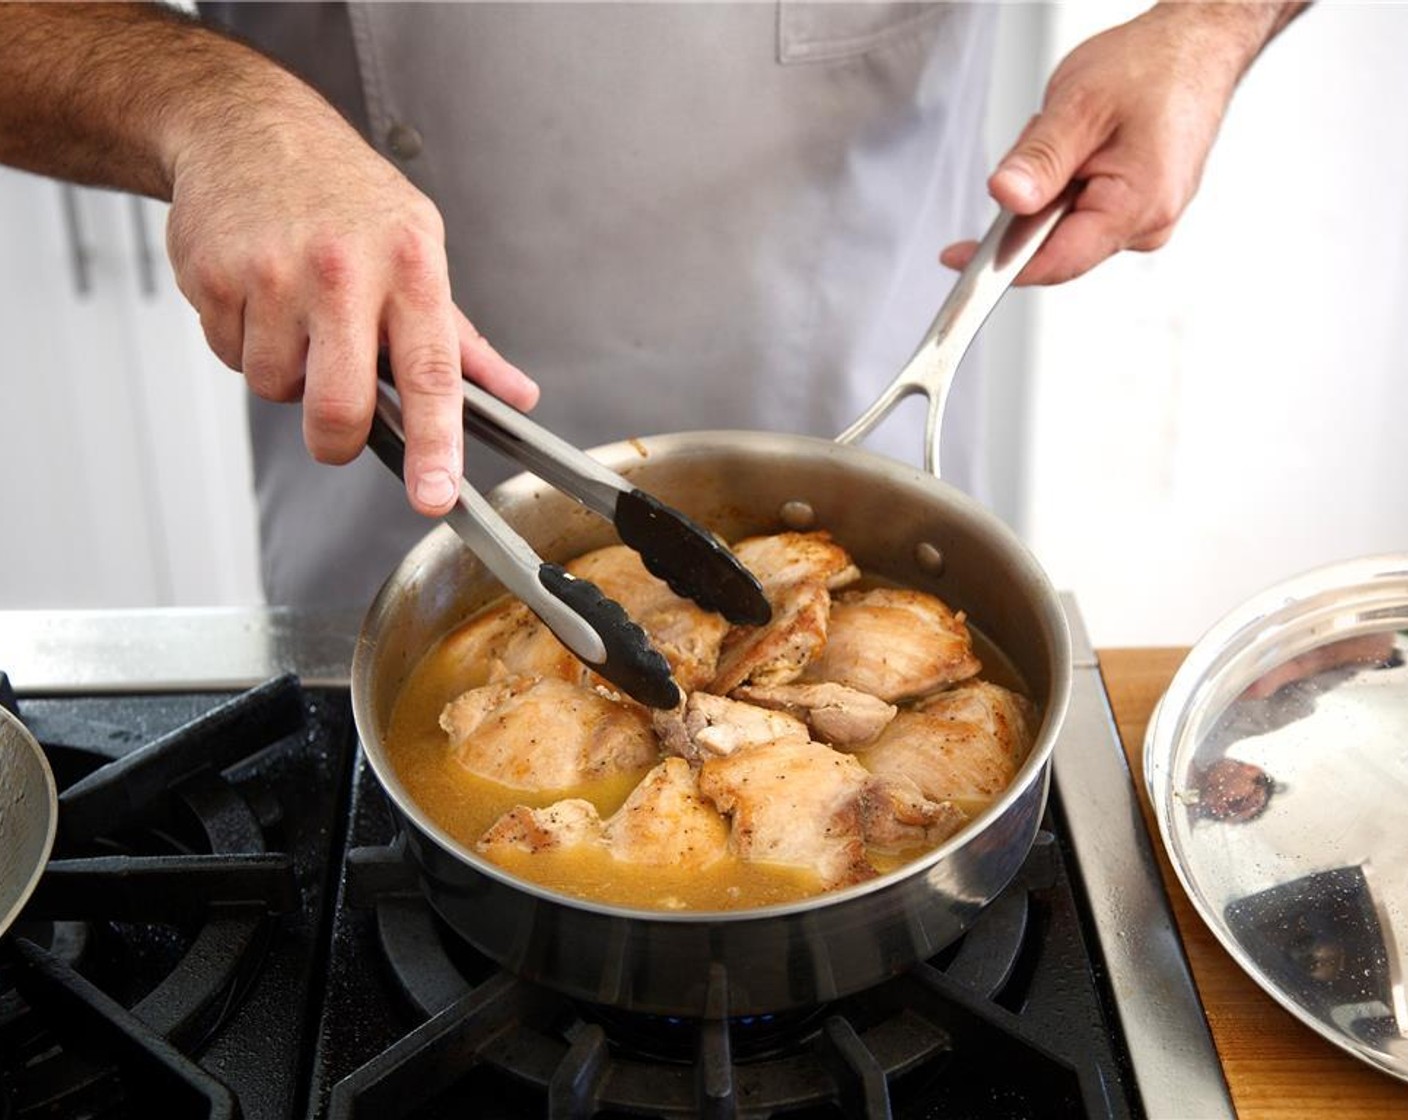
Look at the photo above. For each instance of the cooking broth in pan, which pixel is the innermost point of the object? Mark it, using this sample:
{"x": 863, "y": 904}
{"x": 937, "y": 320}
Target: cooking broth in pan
{"x": 759, "y": 803}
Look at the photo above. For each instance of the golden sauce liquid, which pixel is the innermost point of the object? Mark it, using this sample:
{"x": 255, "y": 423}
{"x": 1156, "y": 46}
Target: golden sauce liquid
{"x": 465, "y": 805}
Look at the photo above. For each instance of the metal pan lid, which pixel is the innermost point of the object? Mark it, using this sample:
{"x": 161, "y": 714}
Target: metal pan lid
{"x": 29, "y": 814}
{"x": 1277, "y": 763}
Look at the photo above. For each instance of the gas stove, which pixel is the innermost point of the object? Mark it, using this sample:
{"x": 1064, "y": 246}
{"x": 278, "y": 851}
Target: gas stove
{"x": 228, "y": 927}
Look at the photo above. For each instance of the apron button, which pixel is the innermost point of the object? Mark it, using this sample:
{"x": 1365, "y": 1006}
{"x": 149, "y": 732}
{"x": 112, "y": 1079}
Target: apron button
{"x": 404, "y": 141}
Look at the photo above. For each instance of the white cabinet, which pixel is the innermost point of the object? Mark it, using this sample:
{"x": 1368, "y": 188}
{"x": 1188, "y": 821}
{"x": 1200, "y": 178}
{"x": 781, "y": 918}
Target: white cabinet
{"x": 122, "y": 445}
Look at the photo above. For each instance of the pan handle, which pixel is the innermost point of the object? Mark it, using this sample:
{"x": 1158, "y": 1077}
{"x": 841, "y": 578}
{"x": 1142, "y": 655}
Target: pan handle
{"x": 1009, "y": 244}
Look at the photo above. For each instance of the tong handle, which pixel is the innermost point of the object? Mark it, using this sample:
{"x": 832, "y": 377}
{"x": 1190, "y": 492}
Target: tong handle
{"x": 542, "y": 452}
{"x": 489, "y": 537}
{"x": 673, "y": 548}
{"x": 595, "y": 628}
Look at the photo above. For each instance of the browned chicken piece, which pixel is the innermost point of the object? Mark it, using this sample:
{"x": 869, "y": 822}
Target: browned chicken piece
{"x": 509, "y": 639}
{"x": 546, "y": 734}
{"x": 965, "y": 744}
{"x": 708, "y": 726}
{"x": 797, "y": 571}
{"x": 685, "y": 633}
{"x": 793, "y": 803}
{"x": 781, "y": 559}
{"x": 1007, "y": 716}
{"x": 562, "y": 824}
{"x": 896, "y": 817}
{"x": 841, "y": 716}
{"x": 666, "y": 822}
{"x": 778, "y": 652}
{"x": 461, "y": 717}
{"x": 894, "y": 643}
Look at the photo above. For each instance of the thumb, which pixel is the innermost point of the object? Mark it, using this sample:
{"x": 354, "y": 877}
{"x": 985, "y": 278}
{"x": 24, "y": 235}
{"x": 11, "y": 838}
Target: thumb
{"x": 1045, "y": 158}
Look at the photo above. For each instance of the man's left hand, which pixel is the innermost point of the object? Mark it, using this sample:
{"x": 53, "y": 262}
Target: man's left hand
{"x": 1131, "y": 114}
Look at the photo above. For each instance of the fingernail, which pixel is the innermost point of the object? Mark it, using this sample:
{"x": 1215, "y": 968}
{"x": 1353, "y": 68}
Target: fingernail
{"x": 435, "y": 488}
{"x": 1018, "y": 179}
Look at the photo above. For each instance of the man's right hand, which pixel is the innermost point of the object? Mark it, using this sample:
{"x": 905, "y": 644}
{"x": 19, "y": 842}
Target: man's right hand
{"x": 301, "y": 248}
{"x": 304, "y": 251}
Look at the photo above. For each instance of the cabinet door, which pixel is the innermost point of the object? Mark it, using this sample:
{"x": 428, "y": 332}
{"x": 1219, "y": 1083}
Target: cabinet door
{"x": 122, "y": 441}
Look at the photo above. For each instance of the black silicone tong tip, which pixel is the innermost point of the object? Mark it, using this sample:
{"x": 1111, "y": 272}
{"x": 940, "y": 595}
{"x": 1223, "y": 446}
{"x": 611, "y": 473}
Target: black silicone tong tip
{"x": 632, "y": 663}
{"x": 690, "y": 559}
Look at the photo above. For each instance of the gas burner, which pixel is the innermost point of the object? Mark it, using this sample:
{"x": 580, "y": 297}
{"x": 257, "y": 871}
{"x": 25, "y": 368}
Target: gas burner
{"x": 155, "y": 917}
{"x": 943, "y": 1039}
{"x": 669, "y": 1038}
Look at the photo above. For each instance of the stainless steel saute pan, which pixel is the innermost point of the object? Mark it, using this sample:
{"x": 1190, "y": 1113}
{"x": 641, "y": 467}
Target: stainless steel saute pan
{"x": 899, "y": 523}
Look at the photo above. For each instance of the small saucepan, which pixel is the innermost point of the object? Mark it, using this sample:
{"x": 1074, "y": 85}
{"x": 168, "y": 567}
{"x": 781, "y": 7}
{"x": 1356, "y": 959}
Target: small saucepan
{"x": 898, "y": 523}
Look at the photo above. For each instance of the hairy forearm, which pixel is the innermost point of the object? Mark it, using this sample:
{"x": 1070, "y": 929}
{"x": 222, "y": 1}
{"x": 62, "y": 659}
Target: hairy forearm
{"x": 114, "y": 94}
{"x": 1237, "y": 30}
{"x": 299, "y": 276}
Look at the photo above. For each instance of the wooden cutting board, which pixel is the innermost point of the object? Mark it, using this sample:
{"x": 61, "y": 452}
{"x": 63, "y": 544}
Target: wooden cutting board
{"x": 1276, "y": 1066}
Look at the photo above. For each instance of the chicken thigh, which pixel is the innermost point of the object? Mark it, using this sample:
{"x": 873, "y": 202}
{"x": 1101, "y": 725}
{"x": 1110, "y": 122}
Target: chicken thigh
{"x": 508, "y": 639}
{"x": 793, "y": 803}
{"x": 546, "y": 734}
{"x": 778, "y": 652}
{"x": 667, "y": 823}
{"x": 797, "y": 572}
{"x": 894, "y": 643}
{"x": 663, "y": 823}
{"x": 709, "y": 726}
{"x": 563, "y": 824}
{"x": 1009, "y": 717}
{"x": 965, "y": 744}
{"x": 685, "y": 633}
{"x": 841, "y": 716}
{"x": 782, "y": 559}
{"x": 896, "y": 816}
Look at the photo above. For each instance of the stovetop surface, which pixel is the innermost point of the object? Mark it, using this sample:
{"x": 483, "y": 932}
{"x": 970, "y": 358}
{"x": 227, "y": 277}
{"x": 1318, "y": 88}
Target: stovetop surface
{"x": 235, "y": 932}
{"x": 335, "y": 991}
{"x": 186, "y": 903}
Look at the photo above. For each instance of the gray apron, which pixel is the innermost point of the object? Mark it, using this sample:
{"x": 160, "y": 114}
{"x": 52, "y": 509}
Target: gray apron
{"x": 674, "y": 216}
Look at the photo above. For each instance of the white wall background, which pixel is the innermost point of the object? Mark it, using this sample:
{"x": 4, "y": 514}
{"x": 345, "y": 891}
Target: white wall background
{"x": 1229, "y": 411}
{"x": 1171, "y": 433}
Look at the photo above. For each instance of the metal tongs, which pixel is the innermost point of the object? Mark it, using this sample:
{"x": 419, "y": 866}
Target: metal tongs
{"x": 690, "y": 559}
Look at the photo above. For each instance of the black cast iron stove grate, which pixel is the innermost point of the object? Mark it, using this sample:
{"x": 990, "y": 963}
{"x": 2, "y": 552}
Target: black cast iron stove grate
{"x": 166, "y": 952}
